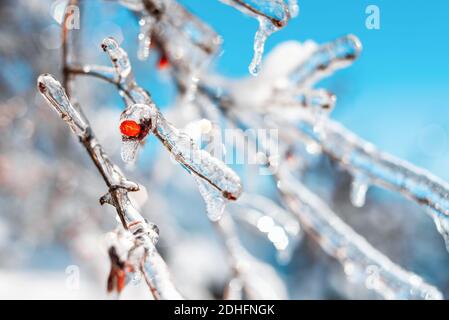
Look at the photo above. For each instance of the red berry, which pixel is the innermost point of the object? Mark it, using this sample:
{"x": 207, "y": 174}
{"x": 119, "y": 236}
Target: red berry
{"x": 130, "y": 128}
{"x": 163, "y": 62}
{"x": 121, "y": 280}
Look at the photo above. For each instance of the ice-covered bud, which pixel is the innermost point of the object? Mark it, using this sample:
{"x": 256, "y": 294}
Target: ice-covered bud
{"x": 56, "y": 96}
{"x": 118, "y": 56}
{"x": 136, "y": 122}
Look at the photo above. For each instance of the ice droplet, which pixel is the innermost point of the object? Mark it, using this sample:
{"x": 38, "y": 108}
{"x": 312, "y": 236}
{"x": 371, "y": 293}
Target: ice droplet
{"x": 266, "y": 28}
{"x": 359, "y": 188}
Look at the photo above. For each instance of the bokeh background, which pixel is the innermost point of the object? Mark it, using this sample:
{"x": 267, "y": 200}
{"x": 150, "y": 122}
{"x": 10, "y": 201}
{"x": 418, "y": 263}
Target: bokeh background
{"x": 396, "y": 96}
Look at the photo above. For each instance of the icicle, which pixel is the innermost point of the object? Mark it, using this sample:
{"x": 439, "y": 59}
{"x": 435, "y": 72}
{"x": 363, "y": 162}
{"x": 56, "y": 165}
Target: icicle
{"x": 146, "y": 28}
{"x": 197, "y": 161}
{"x": 359, "y": 188}
{"x": 266, "y": 28}
{"x": 215, "y": 202}
{"x": 129, "y": 150}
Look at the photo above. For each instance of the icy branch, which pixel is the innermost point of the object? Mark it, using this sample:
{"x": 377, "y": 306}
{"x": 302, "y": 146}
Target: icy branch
{"x": 278, "y": 12}
{"x": 217, "y": 182}
{"x": 375, "y": 167}
{"x": 145, "y": 234}
{"x": 360, "y": 260}
{"x": 325, "y": 60}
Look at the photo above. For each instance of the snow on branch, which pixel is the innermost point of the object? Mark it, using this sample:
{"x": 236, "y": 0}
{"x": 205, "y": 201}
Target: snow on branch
{"x": 144, "y": 234}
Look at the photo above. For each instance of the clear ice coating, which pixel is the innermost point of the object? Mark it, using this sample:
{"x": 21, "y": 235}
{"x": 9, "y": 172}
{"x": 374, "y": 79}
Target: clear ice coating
{"x": 201, "y": 164}
{"x": 146, "y": 117}
{"x": 442, "y": 224}
{"x": 119, "y": 58}
{"x": 360, "y": 157}
{"x": 266, "y": 28}
{"x": 361, "y": 262}
{"x": 320, "y": 103}
{"x": 325, "y": 60}
{"x": 55, "y": 94}
{"x": 187, "y": 42}
{"x": 129, "y": 150}
{"x": 278, "y": 12}
{"x": 272, "y": 15}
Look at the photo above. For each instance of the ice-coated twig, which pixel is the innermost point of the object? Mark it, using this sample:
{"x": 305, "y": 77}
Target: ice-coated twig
{"x": 217, "y": 182}
{"x": 359, "y": 259}
{"x": 145, "y": 234}
{"x": 367, "y": 164}
{"x": 364, "y": 161}
{"x": 278, "y": 12}
{"x": 323, "y": 61}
